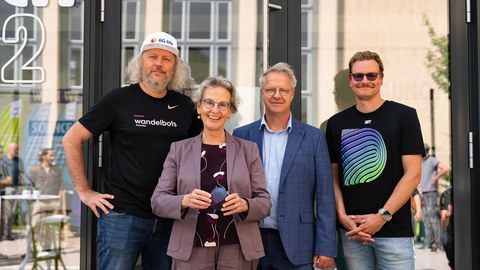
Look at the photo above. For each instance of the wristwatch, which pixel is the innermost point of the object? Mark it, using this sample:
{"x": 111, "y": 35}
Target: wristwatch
{"x": 385, "y": 214}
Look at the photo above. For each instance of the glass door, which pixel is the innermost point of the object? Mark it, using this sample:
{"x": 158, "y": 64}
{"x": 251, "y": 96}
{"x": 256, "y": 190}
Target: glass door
{"x": 412, "y": 40}
{"x": 216, "y": 38}
{"x": 41, "y": 90}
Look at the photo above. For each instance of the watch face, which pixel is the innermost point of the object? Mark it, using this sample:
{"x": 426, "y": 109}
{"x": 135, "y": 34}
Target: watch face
{"x": 385, "y": 214}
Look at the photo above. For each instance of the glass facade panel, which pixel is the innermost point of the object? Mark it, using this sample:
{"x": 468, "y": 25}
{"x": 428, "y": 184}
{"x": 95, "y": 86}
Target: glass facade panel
{"x": 333, "y": 31}
{"x": 219, "y": 37}
{"x": 199, "y": 62}
{"x": 131, "y": 11}
{"x": 200, "y": 20}
{"x": 41, "y": 66}
{"x": 223, "y": 20}
{"x": 222, "y": 62}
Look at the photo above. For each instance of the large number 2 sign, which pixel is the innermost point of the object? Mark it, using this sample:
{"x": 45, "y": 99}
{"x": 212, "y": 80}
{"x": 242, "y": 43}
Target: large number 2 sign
{"x": 21, "y": 37}
{"x": 18, "y": 38}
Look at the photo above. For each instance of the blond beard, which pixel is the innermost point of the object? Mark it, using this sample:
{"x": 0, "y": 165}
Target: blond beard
{"x": 159, "y": 86}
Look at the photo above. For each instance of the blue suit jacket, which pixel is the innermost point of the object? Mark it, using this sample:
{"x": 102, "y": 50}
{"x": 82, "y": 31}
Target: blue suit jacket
{"x": 306, "y": 188}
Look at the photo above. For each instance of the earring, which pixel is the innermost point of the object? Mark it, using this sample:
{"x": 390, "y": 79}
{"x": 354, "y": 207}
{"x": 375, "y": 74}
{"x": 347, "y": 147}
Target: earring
{"x": 228, "y": 119}
{"x": 198, "y": 116}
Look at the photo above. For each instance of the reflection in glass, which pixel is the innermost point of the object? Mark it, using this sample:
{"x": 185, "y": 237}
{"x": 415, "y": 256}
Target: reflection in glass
{"x": 199, "y": 63}
{"x": 223, "y": 21}
{"x": 131, "y": 11}
{"x": 175, "y": 19}
{"x": 200, "y": 22}
{"x": 36, "y": 115}
{"x": 76, "y": 66}
{"x": 222, "y": 61}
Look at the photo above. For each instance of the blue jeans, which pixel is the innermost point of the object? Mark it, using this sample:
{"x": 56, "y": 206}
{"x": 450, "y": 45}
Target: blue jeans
{"x": 431, "y": 219}
{"x": 121, "y": 238}
{"x": 386, "y": 253}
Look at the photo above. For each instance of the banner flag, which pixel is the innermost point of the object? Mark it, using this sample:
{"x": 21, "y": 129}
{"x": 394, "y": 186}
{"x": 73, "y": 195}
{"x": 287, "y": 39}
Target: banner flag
{"x": 65, "y": 120}
{"x": 10, "y": 123}
{"x": 36, "y": 136}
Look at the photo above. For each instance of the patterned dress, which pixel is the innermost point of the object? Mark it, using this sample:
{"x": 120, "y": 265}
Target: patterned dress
{"x": 213, "y": 228}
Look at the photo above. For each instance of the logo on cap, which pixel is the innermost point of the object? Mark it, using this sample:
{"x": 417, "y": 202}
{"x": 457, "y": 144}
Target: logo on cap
{"x": 160, "y": 40}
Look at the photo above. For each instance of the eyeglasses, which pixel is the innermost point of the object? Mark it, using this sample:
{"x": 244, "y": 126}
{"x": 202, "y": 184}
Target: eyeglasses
{"x": 271, "y": 91}
{"x": 358, "y": 77}
{"x": 222, "y": 105}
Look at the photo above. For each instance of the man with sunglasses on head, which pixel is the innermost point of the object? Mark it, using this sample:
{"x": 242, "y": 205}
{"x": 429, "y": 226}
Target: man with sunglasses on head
{"x": 376, "y": 149}
{"x": 143, "y": 119}
{"x": 300, "y": 230}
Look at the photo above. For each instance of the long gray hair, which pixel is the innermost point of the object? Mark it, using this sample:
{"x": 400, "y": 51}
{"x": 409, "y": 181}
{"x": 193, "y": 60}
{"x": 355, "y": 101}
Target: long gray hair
{"x": 182, "y": 79}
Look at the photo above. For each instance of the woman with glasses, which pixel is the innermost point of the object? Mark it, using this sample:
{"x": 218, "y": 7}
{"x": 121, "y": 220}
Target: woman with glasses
{"x": 213, "y": 186}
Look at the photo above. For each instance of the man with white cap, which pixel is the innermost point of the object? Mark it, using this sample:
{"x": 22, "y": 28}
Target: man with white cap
{"x": 143, "y": 119}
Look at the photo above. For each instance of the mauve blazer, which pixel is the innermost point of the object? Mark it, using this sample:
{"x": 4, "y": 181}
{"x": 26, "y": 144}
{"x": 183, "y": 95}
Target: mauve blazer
{"x": 181, "y": 175}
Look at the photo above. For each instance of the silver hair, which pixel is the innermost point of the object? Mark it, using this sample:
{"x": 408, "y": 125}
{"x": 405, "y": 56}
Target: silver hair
{"x": 282, "y": 68}
{"x": 182, "y": 79}
{"x": 219, "y": 82}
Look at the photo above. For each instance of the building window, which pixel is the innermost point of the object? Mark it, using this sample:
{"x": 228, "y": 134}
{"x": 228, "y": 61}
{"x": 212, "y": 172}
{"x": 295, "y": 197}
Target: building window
{"x": 308, "y": 86}
{"x": 203, "y": 30}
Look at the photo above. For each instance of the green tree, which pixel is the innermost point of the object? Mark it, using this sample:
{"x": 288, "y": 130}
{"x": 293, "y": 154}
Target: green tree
{"x": 437, "y": 57}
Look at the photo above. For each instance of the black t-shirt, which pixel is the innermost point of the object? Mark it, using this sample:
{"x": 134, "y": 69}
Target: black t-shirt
{"x": 141, "y": 129}
{"x": 446, "y": 199}
{"x": 368, "y": 149}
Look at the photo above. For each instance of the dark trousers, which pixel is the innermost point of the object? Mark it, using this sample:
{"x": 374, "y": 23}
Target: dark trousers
{"x": 275, "y": 256}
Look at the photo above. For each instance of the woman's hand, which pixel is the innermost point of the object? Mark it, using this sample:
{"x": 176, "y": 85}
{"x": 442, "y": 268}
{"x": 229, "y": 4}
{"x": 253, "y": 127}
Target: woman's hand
{"x": 234, "y": 204}
{"x": 197, "y": 199}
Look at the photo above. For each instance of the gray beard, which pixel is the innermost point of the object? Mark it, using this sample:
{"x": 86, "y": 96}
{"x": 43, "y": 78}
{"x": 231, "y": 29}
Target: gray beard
{"x": 159, "y": 86}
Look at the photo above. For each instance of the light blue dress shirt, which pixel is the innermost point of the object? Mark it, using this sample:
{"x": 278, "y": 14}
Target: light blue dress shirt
{"x": 274, "y": 145}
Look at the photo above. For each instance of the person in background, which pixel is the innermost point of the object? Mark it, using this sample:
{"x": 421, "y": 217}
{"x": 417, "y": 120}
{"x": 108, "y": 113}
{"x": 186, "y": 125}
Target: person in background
{"x": 213, "y": 186}
{"x": 416, "y": 208}
{"x": 376, "y": 149}
{"x": 11, "y": 166}
{"x": 432, "y": 171}
{"x": 47, "y": 177}
{"x": 446, "y": 218}
{"x": 5, "y": 180}
{"x": 143, "y": 119}
{"x": 417, "y": 205}
{"x": 48, "y": 180}
{"x": 300, "y": 231}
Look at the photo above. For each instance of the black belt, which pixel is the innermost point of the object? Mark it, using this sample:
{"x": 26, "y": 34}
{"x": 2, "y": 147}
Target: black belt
{"x": 432, "y": 191}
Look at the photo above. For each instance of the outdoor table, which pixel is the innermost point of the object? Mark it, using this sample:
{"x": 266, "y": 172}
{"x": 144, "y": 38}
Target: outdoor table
{"x": 30, "y": 199}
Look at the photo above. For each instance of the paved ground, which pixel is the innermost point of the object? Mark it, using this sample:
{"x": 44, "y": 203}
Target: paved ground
{"x": 11, "y": 253}
{"x": 428, "y": 260}
{"x": 424, "y": 260}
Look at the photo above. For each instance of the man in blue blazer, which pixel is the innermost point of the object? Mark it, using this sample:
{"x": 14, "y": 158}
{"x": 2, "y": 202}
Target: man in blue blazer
{"x": 300, "y": 230}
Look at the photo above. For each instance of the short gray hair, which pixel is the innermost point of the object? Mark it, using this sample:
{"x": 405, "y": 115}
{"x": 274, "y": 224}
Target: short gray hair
{"x": 280, "y": 67}
{"x": 219, "y": 82}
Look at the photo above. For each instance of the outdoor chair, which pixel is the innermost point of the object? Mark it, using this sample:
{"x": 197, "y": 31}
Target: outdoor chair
{"x": 54, "y": 224}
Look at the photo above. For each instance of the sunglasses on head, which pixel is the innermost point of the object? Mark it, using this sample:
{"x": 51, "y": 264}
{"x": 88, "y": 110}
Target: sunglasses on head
{"x": 358, "y": 77}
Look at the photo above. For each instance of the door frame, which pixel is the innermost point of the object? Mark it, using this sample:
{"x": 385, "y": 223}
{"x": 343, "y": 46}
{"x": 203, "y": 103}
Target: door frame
{"x": 102, "y": 73}
{"x": 101, "y": 50}
{"x": 464, "y": 73}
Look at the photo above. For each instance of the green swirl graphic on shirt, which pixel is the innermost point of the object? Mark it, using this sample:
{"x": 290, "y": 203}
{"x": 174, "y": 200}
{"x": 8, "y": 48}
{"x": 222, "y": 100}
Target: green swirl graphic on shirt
{"x": 364, "y": 155}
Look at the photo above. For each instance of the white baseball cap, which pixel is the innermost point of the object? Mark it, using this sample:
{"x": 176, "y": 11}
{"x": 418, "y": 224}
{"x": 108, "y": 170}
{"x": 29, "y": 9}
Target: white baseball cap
{"x": 160, "y": 40}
